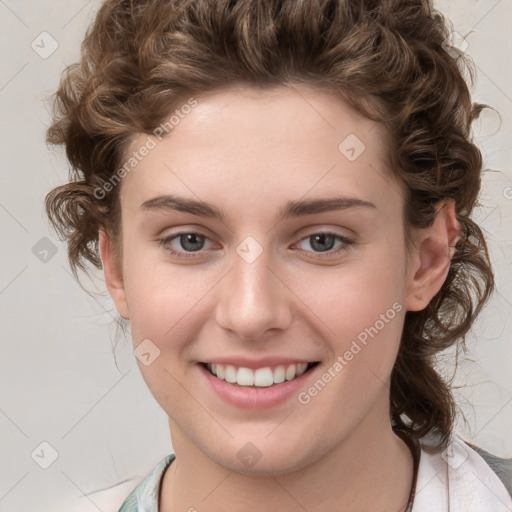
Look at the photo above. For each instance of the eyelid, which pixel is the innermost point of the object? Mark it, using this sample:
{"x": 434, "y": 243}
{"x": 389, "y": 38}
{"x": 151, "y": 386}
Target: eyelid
{"x": 184, "y": 229}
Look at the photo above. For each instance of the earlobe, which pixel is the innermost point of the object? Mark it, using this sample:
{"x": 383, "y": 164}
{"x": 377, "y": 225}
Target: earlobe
{"x": 430, "y": 264}
{"x": 113, "y": 274}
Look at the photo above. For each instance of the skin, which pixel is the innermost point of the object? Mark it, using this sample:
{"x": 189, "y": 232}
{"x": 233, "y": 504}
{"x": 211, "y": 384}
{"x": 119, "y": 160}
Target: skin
{"x": 248, "y": 152}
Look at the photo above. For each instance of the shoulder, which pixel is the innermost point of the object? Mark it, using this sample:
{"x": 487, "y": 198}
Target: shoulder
{"x": 128, "y": 496}
{"x": 459, "y": 478}
{"x": 144, "y": 498}
{"x": 107, "y": 500}
{"x": 502, "y": 467}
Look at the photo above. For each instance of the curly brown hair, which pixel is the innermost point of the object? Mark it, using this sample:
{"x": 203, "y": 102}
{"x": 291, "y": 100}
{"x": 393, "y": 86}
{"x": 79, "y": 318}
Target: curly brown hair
{"x": 387, "y": 58}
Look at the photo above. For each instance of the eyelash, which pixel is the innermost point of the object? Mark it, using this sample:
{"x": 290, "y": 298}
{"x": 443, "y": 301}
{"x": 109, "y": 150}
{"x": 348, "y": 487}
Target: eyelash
{"x": 347, "y": 243}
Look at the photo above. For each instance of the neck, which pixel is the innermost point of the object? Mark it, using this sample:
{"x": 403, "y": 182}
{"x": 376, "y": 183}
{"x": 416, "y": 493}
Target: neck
{"x": 370, "y": 470}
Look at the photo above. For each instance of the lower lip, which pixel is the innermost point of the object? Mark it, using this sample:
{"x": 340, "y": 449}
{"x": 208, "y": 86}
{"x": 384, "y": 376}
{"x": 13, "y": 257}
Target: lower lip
{"x": 254, "y": 397}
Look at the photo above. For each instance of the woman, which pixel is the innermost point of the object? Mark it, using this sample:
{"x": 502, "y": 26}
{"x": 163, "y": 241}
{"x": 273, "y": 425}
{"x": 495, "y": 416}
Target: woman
{"x": 279, "y": 194}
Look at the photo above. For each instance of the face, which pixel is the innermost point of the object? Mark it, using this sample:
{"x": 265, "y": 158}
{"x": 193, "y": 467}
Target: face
{"x": 265, "y": 231}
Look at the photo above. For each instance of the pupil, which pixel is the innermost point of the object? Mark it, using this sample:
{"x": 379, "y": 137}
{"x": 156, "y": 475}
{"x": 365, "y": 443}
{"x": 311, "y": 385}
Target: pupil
{"x": 192, "y": 242}
{"x": 322, "y": 242}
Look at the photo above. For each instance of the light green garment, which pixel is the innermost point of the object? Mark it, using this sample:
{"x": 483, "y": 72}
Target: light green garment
{"x": 144, "y": 498}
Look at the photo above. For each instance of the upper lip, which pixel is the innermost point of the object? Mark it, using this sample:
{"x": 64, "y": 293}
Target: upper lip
{"x": 258, "y": 363}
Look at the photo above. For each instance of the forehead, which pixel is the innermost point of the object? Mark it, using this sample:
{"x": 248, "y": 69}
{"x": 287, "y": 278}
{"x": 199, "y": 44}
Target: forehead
{"x": 288, "y": 139}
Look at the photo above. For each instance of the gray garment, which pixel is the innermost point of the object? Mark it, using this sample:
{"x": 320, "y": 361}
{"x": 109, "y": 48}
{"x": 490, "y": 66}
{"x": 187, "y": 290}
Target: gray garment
{"x": 502, "y": 467}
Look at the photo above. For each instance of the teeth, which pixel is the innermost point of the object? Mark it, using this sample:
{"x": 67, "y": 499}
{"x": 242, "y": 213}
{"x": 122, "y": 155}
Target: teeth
{"x": 221, "y": 372}
{"x": 230, "y": 374}
{"x": 262, "y": 377}
{"x": 279, "y": 374}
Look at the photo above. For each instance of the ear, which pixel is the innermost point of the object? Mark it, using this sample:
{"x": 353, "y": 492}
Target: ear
{"x": 113, "y": 274}
{"x": 429, "y": 262}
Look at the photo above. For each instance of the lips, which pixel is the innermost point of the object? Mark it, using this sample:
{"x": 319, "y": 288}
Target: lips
{"x": 254, "y": 396}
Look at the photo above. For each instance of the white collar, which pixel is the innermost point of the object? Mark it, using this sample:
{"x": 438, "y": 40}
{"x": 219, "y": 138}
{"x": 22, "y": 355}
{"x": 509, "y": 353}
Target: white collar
{"x": 458, "y": 480}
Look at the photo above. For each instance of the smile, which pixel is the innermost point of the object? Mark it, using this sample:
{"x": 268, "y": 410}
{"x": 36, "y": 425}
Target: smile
{"x": 259, "y": 377}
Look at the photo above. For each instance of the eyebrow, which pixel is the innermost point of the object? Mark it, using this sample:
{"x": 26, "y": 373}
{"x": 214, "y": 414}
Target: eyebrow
{"x": 298, "y": 208}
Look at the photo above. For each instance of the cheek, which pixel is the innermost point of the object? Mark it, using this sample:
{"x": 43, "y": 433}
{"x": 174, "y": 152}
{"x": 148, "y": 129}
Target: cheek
{"x": 156, "y": 307}
{"x": 354, "y": 296}
{"x": 364, "y": 342}
{"x": 164, "y": 298}
{"x": 361, "y": 310}
{"x": 164, "y": 307}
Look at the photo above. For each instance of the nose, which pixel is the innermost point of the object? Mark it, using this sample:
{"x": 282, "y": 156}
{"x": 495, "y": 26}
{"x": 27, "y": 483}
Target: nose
{"x": 253, "y": 300}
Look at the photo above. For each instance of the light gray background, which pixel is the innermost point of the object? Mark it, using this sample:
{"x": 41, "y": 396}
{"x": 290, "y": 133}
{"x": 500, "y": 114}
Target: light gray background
{"x": 58, "y": 378}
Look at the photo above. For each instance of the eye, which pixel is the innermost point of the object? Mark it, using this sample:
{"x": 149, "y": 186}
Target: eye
{"x": 187, "y": 242}
{"x": 325, "y": 242}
